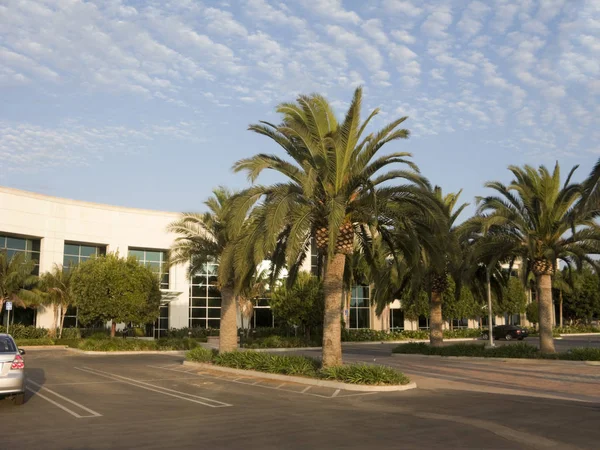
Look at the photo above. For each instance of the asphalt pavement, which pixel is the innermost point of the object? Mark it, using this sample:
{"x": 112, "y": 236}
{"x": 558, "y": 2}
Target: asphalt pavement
{"x": 154, "y": 402}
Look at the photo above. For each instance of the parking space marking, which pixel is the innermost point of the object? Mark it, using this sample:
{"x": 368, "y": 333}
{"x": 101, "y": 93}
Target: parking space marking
{"x": 64, "y": 408}
{"x": 257, "y": 383}
{"x": 159, "y": 389}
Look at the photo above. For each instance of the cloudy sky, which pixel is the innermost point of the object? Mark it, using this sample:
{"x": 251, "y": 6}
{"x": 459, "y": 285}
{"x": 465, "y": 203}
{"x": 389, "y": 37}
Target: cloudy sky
{"x": 146, "y": 103}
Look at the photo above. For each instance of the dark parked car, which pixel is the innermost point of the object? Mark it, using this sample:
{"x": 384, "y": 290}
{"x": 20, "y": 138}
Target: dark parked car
{"x": 507, "y": 332}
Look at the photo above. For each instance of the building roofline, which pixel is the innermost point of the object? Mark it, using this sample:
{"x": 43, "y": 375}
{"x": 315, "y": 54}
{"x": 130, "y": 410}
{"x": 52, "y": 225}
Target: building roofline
{"x": 67, "y": 201}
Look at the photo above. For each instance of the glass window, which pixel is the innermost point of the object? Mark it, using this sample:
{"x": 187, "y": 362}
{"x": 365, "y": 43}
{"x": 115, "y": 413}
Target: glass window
{"x": 263, "y": 317}
{"x": 214, "y": 313}
{"x": 360, "y": 312}
{"x": 30, "y": 247}
{"x": 71, "y": 249}
{"x": 156, "y": 260}
{"x": 7, "y": 345}
{"x": 423, "y": 323}
{"x": 16, "y": 243}
{"x": 396, "y": 319}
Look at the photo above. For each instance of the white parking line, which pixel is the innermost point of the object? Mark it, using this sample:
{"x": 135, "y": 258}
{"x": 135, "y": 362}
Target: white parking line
{"x": 154, "y": 388}
{"x": 64, "y": 408}
{"x": 278, "y": 388}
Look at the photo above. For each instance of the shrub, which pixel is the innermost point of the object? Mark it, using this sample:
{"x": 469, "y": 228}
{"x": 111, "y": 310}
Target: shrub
{"x": 119, "y": 344}
{"x": 99, "y": 336}
{"x": 201, "y": 354}
{"x": 176, "y": 344}
{"x": 577, "y": 329}
{"x": 462, "y": 333}
{"x": 73, "y": 343}
{"x": 581, "y": 354}
{"x": 279, "y": 342}
{"x": 71, "y": 333}
{"x": 506, "y": 351}
{"x": 19, "y": 331}
{"x": 368, "y": 335}
{"x": 38, "y": 341}
{"x": 266, "y": 362}
{"x": 364, "y": 374}
{"x": 196, "y": 333}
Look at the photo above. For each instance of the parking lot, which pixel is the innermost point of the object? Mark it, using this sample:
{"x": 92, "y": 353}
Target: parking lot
{"x": 153, "y": 401}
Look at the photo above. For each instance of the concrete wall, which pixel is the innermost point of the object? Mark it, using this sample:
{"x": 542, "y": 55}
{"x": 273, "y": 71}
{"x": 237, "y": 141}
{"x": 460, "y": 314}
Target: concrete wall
{"x": 56, "y": 220}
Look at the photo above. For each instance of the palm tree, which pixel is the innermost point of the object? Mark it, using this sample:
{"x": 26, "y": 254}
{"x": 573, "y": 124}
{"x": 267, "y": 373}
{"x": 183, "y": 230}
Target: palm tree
{"x": 203, "y": 238}
{"x": 17, "y": 280}
{"x": 332, "y": 186}
{"x": 538, "y": 220}
{"x": 56, "y": 286}
{"x": 251, "y": 291}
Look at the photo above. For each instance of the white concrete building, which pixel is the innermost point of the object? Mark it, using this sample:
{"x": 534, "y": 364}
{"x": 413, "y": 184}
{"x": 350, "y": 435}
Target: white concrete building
{"x": 61, "y": 231}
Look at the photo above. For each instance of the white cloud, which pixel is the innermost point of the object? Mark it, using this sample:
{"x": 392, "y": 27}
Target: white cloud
{"x": 504, "y": 16}
{"x": 261, "y": 10}
{"x": 332, "y": 9}
{"x": 402, "y": 6}
{"x": 404, "y": 36}
{"x": 222, "y": 22}
{"x": 471, "y": 22}
{"x": 374, "y": 29}
{"x": 368, "y": 53}
{"x": 438, "y": 21}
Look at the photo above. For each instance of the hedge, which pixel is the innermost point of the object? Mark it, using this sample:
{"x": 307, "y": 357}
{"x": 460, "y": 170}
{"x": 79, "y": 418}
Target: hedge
{"x": 300, "y": 366}
{"x": 520, "y": 350}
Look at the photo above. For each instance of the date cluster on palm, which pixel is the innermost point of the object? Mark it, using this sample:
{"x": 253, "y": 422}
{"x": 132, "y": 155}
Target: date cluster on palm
{"x": 439, "y": 283}
{"x": 345, "y": 240}
{"x": 542, "y": 266}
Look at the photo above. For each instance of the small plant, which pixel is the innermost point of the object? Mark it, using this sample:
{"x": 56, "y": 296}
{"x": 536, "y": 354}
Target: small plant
{"x": 279, "y": 342}
{"x": 581, "y": 354}
{"x": 364, "y": 374}
{"x": 201, "y": 354}
{"x": 266, "y": 362}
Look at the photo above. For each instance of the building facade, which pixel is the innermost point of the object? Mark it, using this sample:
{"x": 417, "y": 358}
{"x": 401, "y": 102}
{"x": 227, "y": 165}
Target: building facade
{"x": 64, "y": 232}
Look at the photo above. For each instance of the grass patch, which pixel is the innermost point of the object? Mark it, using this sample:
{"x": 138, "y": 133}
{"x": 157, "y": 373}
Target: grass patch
{"x": 32, "y": 342}
{"x": 119, "y": 344}
{"x": 520, "y": 350}
{"x": 279, "y": 342}
{"x": 364, "y": 374}
{"x": 300, "y": 366}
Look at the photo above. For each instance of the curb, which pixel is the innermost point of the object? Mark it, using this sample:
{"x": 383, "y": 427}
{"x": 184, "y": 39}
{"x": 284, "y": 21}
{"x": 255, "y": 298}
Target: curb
{"x": 505, "y": 360}
{"x": 303, "y": 380}
{"x": 579, "y": 334}
{"x": 43, "y": 347}
{"x": 132, "y": 352}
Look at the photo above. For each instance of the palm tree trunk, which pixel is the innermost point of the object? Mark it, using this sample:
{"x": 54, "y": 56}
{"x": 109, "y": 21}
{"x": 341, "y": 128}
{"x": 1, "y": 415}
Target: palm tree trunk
{"x": 228, "y": 330}
{"x": 436, "y": 330}
{"x": 544, "y": 284}
{"x": 113, "y": 329}
{"x": 63, "y": 313}
{"x": 54, "y": 319}
{"x": 561, "y": 308}
{"x": 333, "y": 286}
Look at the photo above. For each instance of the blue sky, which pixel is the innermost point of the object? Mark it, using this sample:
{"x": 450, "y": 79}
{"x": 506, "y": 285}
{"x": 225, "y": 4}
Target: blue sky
{"x": 146, "y": 103}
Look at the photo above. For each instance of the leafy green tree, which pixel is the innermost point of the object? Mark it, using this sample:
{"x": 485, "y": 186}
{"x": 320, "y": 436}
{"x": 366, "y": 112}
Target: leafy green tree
{"x": 514, "y": 300}
{"x": 17, "y": 283}
{"x": 300, "y": 304}
{"x": 532, "y": 312}
{"x": 562, "y": 283}
{"x": 116, "y": 289}
{"x": 582, "y": 302}
{"x": 332, "y": 187}
{"x": 460, "y": 306}
{"x": 536, "y": 219}
{"x": 56, "y": 286}
{"x": 203, "y": 238}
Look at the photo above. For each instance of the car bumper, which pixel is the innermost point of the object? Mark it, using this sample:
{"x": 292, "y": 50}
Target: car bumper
{"x": 12, "y": 383}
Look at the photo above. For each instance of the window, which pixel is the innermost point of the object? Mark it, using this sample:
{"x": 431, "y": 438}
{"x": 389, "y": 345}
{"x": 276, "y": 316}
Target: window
{"x": 423, "y": 323}
{"x": 161, "y": 326}
{"x": 77, "y": 253}
{"x": 7, "y": 345}
{"x": 73, "y": 255}
{"x": 396, "y": 319}
{"x": 460, "y": 323}
{"x": 156, "y": 260}
{"x": 360, "y": 311}
{"x": 263, "y": 316}
{"x": 31, "y": 248}
{"x": 205, "y": 298}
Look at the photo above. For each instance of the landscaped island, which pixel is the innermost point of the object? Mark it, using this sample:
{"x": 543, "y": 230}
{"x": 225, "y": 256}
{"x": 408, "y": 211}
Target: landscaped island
{"x": 300, "y": 366}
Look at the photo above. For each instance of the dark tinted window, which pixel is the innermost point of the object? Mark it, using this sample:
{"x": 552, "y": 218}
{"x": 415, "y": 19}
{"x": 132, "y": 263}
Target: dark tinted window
{"x": 7, "y": 345}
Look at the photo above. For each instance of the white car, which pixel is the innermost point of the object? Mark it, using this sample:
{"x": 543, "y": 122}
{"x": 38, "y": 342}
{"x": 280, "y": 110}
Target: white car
{"x": 12, "y": 370}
